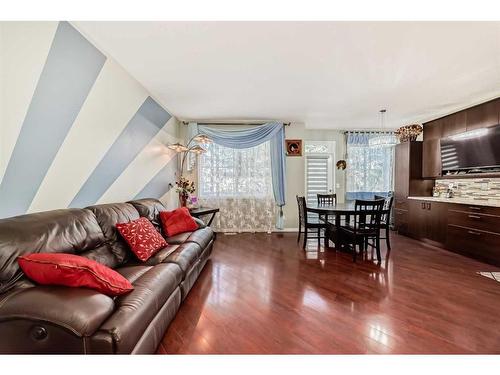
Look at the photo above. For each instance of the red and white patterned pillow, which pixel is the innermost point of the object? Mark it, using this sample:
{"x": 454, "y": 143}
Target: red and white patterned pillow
{"x": 142, "y": 237}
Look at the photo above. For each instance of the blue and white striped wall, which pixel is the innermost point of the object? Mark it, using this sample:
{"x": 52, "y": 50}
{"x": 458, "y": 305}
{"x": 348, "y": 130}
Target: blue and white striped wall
{"x": 76, "y": 129}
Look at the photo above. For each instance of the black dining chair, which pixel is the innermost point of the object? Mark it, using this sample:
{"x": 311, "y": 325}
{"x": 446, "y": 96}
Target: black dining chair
{"x": 326, "y": 200}
{"x": 367, "y": 216}
{"x": 308, "y": 222}
{"x": 385, "y": 220}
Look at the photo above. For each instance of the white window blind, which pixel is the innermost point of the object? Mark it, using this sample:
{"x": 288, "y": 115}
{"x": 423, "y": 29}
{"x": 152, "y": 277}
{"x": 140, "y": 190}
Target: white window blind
{"x": 317, "y": 177}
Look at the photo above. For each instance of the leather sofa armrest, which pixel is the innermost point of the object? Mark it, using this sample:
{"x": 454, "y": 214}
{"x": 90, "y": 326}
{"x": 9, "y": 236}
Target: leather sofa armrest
{"x": 201, "y": 223}
{"x": 78, "y": 310}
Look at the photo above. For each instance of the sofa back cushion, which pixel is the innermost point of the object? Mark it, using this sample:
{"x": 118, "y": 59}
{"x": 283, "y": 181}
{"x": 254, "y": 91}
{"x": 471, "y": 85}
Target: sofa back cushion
{"x": 108, "y": 215}
{"x": 150, "y": 209}
{"x": 73, "y": 231}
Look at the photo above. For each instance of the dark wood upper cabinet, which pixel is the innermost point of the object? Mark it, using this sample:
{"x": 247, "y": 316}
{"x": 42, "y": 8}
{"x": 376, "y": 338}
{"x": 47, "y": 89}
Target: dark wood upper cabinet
{"x": 408, "y": 171}
{"x": 431, "y": 149}
{"x": 433, "y": 130}
{"x": 454, "y": 124}
{"x": 431, "y": 167}
{"x": 484, "y": 115}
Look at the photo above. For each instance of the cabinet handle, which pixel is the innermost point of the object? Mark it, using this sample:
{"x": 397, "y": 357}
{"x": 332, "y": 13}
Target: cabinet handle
{"x": 475, "y": 208}
{"x": 475, "y": 217}
{"x": 474, "y": 233}
{"x": 423, "y": 205}
{"x": 428, "y": 206}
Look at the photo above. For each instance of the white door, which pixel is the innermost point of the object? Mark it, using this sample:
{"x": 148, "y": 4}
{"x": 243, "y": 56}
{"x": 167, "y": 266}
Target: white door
{"x": 319, "y": 169}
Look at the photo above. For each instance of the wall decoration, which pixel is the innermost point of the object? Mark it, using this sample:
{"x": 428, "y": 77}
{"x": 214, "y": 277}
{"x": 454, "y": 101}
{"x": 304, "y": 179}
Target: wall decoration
{"x": 293, "y": 147}
{"x": 341, "y": 164}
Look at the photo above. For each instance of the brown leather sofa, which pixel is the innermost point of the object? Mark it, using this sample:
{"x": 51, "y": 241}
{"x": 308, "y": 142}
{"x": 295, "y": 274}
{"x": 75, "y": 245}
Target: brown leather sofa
{"x": 58, "y": 319}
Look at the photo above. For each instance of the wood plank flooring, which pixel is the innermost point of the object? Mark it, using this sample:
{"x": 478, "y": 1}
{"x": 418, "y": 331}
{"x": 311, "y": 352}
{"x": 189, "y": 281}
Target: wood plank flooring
{"x": 263, "y": 294}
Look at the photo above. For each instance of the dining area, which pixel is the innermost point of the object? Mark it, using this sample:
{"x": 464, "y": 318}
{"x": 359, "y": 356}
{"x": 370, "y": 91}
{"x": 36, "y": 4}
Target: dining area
{"x": 352, "y": 226}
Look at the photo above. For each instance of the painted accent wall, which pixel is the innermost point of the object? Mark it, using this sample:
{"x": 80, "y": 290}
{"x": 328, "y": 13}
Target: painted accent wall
{"x": 75, "y": 128}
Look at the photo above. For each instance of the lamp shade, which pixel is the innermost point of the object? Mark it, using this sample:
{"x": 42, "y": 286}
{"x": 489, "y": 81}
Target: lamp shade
{"x": 197, "y": 149}
{"x": 177, "y": 147}
{"x": 202, "y": 138}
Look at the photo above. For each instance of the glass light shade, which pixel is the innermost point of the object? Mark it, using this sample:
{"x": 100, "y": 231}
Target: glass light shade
{"x": 408, "y": 132}
{"x": 177, "y": 147}
{"x": 202, "y": 138}
{"x": 197, "y": 149}
{"x": 382, "y": 141}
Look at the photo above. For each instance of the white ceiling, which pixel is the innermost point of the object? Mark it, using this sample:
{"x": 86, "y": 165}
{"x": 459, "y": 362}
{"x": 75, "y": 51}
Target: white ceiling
{"x": 325, "y": 74}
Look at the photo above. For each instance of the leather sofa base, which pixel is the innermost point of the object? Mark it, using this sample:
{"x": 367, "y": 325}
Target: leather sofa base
{"x": 153, "y": 335}
{"x": 195, "y": 271}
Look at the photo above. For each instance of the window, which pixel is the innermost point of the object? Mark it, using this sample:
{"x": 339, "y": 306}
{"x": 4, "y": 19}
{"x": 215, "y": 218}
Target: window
{"x": 319, "y": 169}
{"x": 369, "y": 166}
{"x": 232, "y": 173}
{"x": 239, "y": 183}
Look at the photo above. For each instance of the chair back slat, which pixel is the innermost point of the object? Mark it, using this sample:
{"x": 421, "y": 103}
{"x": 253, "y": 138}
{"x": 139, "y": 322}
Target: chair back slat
{"x": 387, "y": 206}
{"x": 368, "y": 214}
{"x": 326, "y": 199}
{"x": 301, "y": 203}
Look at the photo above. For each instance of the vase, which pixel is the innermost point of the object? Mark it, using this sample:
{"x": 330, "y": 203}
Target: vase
{"x": 183, "y": 200}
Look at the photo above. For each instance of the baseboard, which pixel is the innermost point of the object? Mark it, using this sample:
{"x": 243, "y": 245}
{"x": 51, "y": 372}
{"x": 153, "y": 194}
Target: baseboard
{"x": 286, "y": 230}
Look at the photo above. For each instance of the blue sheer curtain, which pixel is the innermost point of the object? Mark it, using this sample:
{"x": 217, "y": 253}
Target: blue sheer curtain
{"x": 370, "y": 164}
{"x": 251, "y": 137}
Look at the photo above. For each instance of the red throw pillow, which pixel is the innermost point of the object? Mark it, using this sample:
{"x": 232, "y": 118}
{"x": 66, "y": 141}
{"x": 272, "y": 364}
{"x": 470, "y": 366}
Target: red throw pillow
{"x": 177, "y": 221}
{"x": 142, "y": 237}
{"x": 73, "y": 270}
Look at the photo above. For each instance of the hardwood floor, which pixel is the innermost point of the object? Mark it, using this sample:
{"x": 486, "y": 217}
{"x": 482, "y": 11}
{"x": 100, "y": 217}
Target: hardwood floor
{"x": 262, "y": 293}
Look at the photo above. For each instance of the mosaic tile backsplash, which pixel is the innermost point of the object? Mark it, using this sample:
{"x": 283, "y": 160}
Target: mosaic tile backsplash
{"x": 473, "y": 188}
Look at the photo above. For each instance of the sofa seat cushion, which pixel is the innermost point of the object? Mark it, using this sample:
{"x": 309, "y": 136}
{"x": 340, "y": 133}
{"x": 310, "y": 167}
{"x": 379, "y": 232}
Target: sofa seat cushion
{"x": 135, "y": 310}
{"x": 178, "y": 238}
{"x": 78, "y": 310}
{"x": 132, "y": 273}
{"x": 201, "y": 236}
{"x": 185, "y": 256}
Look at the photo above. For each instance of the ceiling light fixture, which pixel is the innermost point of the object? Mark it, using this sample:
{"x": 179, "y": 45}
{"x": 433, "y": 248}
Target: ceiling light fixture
{"x": 383, "y": 140}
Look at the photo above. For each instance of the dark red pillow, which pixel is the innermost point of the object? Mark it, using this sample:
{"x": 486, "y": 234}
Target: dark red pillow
{"x": 177, "y": 221}
{"x": 142, "y": 237}
{"x": 73, "y": 270}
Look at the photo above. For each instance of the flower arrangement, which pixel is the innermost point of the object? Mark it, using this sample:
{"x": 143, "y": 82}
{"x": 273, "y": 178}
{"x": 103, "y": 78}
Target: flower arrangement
{"x": 184, "y": 188}
{"x": 408, "y": 132}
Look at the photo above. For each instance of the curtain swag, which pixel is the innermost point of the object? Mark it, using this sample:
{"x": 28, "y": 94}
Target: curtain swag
{"x": 273, "y": 132}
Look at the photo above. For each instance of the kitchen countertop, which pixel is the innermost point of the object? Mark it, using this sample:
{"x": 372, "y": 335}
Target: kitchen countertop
{"x": 476, "y": 202}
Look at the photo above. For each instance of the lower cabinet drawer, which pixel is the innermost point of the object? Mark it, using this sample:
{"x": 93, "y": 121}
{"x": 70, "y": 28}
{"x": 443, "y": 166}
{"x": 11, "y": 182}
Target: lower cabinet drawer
{"x": 474, "y": 220}
{"x": 477, "y": 243}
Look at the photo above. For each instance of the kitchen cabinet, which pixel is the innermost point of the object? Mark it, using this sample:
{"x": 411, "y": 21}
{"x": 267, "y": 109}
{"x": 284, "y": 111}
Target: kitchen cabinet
{"x": 407, "y": 181}
{"x": 428, "y": 220}
{"x": 431, "y": 149}
{"x": 467, "y": 229}
{"x": 454, "y": 124}
{"x": 483, "y": 115}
